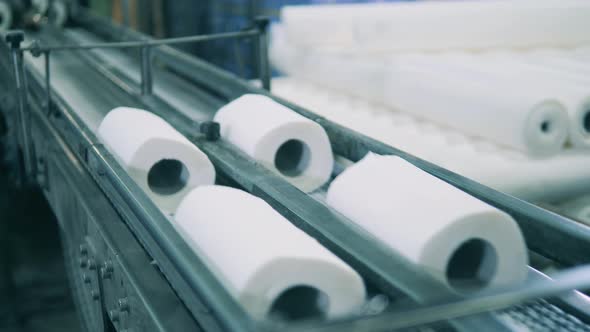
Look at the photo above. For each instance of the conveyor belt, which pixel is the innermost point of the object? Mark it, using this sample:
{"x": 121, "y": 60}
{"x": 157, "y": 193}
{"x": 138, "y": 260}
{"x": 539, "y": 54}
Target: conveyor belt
{"x": 376, "y": 263}
{"x": 99, "y": 93}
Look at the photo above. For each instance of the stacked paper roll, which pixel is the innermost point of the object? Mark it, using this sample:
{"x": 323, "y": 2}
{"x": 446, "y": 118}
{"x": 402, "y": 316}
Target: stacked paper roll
{"x": 289, "y": 144}
{"x": 503, "y": 169}
{"x": 513, "y": 72}
{"x": 270, "y": 266}
{"x": 451, "y": 25}
{"x": 460, "y": 240}
{"x": 473, "y": 103}
{"x": 162, "y": 161}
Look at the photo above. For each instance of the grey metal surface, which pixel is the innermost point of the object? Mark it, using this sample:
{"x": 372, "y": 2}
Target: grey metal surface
{"x": 543, "y": 316}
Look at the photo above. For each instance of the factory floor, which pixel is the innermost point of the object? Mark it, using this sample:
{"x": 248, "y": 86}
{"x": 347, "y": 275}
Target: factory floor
{"x": 34, "y": 292}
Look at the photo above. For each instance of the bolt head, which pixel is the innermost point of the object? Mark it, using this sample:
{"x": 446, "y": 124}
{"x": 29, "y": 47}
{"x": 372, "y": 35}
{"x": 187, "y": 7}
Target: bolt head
{"x": 108, "y": 266}
{"x": 104, "y": 274}
{"x": 83, "y": 262}
{"x": 95, "y": 294}
{"x": 123, "y": 304}
{"x": 83, "y": 249}
{"x": 86, "y": 278}
{"x": 114, "y": 315}
{"x": 91, "y": 264}
{"x": 211, "y": 130}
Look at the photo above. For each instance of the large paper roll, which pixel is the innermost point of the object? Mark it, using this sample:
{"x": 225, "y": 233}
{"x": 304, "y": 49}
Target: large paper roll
{"x": 6, "y": 16}
{"x": 291, "y": 145}
{"x": 460, "y": 240}
{"x": 474, "y": 104}
{"x": 512, "y": 71}
{"x": 450, "y": 25}
{"x": 270, "y": 266}
{"x": 161, "y": 160}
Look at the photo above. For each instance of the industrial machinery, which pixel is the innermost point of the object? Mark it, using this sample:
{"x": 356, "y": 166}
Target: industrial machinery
{"x": 129, "y": 269}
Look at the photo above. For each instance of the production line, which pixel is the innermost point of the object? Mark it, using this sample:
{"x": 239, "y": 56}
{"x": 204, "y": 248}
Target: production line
{"x": 137, "y": 262}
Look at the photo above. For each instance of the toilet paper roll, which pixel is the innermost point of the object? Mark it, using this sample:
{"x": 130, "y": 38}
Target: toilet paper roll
{"x": 451, "y": 25}
{"x": 463, "y": 242}
{"x": 6, "y": 16}
{"x": 163, "y": 162}
{"x": 268, "y": 265}
{"x": 291, "y": 145}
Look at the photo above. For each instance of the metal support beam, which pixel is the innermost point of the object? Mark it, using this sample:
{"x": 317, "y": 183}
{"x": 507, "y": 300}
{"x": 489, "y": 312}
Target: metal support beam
{"x": 14, "y": 39}
{"x": 146, "y": 71}
{"x": 262, "y": 51}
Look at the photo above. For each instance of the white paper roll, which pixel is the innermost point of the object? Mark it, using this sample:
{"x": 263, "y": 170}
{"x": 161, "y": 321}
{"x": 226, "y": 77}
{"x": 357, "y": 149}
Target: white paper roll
{"x": 479, "y": 106}
{"x": 267, "y": 264}
{"x": 515, "y": 72}
{"x": 475, "y": 105}
{"x": 449, "y": 25}
{"x": 291, "y": 145}
{"x": 162, "y": 161}
{"x": 6, "y": 16}
{"x": 460, "y": 240}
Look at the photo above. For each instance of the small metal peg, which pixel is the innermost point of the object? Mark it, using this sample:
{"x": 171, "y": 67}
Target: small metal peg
{"x": 114, "y": 315}
{"x": 83, "y": 250}
{"x": 262, "y": 22}
{"x": 95, "y": 294}
{"x": 36, "y": 49}
{"x": 106, "y": 270}
{"x": 91, "y": 264}
{"x": 123, "y": 304}
{"x": 86, "y": 278}
{"x": 211, "y": 130}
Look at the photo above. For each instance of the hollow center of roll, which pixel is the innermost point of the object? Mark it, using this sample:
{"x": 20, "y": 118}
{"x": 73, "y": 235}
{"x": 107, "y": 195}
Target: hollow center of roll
{"x": 292, "y": 158}
{"x": 300, "y": 302}
{"x": 472, "y": 265}
{"x": 587, "y": 122}
{"x": 546, "y": 127}
{"x": 167, "y": 177}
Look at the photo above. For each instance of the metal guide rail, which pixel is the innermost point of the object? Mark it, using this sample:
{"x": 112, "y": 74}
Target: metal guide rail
{"x": 202, "y": 294}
